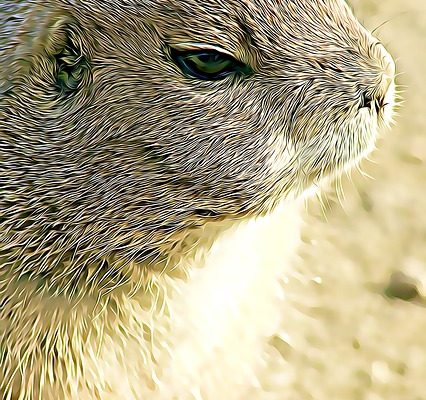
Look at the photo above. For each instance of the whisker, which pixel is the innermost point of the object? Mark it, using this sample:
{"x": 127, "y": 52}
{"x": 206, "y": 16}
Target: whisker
{"x": 381, "y": 25}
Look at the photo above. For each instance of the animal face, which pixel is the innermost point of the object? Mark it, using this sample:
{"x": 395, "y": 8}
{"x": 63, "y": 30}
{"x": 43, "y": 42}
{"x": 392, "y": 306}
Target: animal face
{"x": 129, "y": 121}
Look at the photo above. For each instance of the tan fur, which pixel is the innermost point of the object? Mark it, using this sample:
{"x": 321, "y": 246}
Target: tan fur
{"x": 136, "y": 200}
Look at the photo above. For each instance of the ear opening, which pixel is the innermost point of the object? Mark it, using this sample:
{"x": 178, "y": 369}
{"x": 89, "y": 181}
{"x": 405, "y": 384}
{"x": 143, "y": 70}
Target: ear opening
{"x": 71, "y": 56}
{"x": 50, "y": 50}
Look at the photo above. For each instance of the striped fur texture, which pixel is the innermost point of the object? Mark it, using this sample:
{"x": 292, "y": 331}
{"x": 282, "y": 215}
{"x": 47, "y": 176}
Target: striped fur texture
{"x": 118, "y": 183}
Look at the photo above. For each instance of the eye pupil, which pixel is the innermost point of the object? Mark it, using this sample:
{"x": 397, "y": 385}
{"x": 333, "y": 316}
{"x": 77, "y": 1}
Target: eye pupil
{"x": 207, "y": 64}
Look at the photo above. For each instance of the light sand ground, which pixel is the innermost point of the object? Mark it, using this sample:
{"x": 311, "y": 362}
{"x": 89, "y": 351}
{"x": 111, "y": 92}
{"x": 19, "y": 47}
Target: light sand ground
{"x": 352, "y": 341}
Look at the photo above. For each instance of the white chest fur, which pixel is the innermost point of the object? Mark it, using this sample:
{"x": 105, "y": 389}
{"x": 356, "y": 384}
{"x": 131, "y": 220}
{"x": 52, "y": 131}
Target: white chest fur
{"x": 220, "y": 319}
{"x": 208, "y": 342}
{"x": 230, "y": 307}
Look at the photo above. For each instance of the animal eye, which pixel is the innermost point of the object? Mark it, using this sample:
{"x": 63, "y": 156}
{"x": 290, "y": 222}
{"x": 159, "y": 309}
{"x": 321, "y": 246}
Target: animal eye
{"x": 207, "y": 65}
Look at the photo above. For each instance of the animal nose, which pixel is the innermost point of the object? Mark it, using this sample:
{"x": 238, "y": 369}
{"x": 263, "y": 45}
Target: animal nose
{"x": 377, "y": 95}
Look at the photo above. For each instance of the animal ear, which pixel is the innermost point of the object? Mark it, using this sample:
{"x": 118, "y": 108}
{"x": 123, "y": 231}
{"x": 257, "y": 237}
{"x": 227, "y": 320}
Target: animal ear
{"x": 70, "y": 53}
{"x": 48, "y": 48}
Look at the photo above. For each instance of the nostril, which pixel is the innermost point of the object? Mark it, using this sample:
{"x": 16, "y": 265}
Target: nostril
{"x": 366, "y": 101}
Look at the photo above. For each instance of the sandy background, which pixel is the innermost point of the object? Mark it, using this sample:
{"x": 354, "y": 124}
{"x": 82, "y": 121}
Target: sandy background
{"x": 357, "y": 338}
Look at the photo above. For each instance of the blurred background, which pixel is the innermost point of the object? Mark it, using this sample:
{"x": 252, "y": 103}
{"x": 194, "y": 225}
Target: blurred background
{"x": 360, "y": 297}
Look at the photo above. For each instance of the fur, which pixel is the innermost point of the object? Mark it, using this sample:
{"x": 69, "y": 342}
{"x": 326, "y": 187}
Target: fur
{"x": 119, "y": 183}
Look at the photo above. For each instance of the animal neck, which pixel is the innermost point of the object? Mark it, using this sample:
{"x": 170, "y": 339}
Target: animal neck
{"x": 192, "y": 312}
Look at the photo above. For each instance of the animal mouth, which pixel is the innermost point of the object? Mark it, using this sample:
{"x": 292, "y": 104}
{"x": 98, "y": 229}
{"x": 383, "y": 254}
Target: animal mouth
{"x": 371, "y": 103}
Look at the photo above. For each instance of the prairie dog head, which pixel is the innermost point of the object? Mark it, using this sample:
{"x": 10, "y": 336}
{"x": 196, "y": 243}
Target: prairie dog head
{"x": 128, "y": 122}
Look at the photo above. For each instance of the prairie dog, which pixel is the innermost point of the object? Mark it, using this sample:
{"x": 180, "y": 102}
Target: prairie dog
{"x": 138, "y": 141}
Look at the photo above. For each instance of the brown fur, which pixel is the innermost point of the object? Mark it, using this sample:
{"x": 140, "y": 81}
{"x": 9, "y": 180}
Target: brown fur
{"x": 109, "y": 183}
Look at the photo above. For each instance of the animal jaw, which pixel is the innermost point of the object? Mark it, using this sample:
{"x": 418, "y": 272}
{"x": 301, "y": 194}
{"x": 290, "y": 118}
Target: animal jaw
{"x": 186, "y": 322}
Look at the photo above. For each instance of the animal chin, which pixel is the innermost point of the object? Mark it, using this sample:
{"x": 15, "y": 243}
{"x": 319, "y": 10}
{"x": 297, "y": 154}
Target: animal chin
{"x": 360, "y": 143}
{"x": 341, "y": 147}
